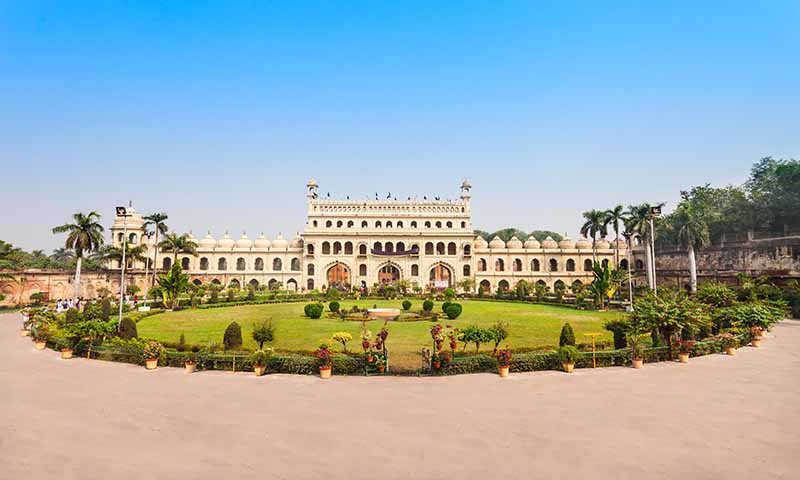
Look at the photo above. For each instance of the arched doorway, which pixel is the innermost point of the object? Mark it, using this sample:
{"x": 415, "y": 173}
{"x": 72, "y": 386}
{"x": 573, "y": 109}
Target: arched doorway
{"x": 485, "y": 286}
{"x": 388, "y": 274}
{"x": 338, "y": 276}
{"x": 440, "y": 277}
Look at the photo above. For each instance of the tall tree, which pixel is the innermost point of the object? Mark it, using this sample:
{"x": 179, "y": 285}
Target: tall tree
{"x": 63, "y": 256}
{"x": 156, "y": 220}
{"x": 593, "y": 225}
{"x": 177, "y": 244}
{"x": 615, "y": 217}
{"x": 637, "y": 223}
{"x": 84, "y": 235}
{"x": 693, "y": 233}
{"x": 132, "y": 253}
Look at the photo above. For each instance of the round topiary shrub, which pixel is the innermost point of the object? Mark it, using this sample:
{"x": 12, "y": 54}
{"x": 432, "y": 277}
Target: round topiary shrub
{"x": 127, "y": 329}
{"x": 233, "y": 336}
{"x": 427, "y": 305}
{"x": 453, "y": 311}
{"x": 333, "y": 307}
{"x": 445, "y": 305}
{"x": 406, "y": 305}
{"x": 71, "y": 316}
{"x": 567, "y": 336}
{"x": 314, "y": 310}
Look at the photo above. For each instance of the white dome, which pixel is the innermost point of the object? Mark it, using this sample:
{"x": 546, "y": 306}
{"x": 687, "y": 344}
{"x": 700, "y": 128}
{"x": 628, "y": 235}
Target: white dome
{"x": 549, "y": 243}
{"x": 514, "y": 243}
{"x": 603, "y": 243}
{"x": 532, "y": 243}
{"x": 226, "y": 241}
{"x": 480, "y": 242}
{"x": 244, "y": 242}
{"x": 297, "y": 241}
{"x": 280, "y": 242}
{"x": 566, "y": 243}
{"x": 208, "y": 241}
{"x": 497, "y": 242}
{"x": 261, "y": 242}
{"x": 584, "y": 244}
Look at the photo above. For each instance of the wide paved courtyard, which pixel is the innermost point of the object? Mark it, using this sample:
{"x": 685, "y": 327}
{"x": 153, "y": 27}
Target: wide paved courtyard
{"x": 716, "y": 417}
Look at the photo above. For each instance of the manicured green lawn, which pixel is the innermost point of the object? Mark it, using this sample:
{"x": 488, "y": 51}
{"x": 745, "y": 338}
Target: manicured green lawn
{"x": 530, "y": 325}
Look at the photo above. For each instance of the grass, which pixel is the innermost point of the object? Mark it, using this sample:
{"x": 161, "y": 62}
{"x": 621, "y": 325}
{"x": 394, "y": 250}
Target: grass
{"x": 529, "y": 325}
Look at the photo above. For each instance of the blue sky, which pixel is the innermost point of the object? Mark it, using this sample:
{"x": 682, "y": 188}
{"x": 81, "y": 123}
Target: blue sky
{"x": 218, "y": 112}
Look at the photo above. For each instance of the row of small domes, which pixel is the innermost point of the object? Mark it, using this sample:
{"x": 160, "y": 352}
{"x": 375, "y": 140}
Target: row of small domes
{"x": 244, "y": 242}
{"x": 532, "y": 243}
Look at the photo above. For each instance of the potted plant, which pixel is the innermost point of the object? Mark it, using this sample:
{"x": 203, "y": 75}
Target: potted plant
{"x": 24, "y": 332}
{"x": 190, "y": 365}
{"x": 503, "y": 362}
{"x": 729, "y": 343}
{"x": 568, "y": 354}
{"x": 755, "y": 333}
{"x": 152, "y": 352}
{"x": 66, "y": 352}
{"x": 637, "y": 351}
{"x": 436, "y": 361}
{"x": 685, "y": 348}
{"x": 260, "y": 359}
{"x": 40, "y": 339}
{"x": 325, "y": 357}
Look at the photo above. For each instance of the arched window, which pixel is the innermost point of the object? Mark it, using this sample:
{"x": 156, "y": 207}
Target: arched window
{"x": 413, "y": 224}
{"x": 463, "y": 224}
{"x": 623, "y": 264}
{"x": 427, "y": 224}
{"x": 314, "y": 223}
{"x": 348, "y": 248}
{"x": 415, "y": 270}
{"x": 326, "y": 248}
{"x": 253, "y": 283}
{"x": 166, "y": 263}
{"x": 362, "y": 249}
{"x": 639, "y": 265}
{"x": 389, "y": 224}
{"x": 377, "y": 246}
{"x": 259, "y": 264}
{"x": 429, "y": 248}
{"x": 451, "y": 248}
{"x": 337, "y": 248}
{"x": 120, "y": 237}
{"x": 132, "y": 239}
{"x": 553, "y": 265}
{"x": 222, "y": 264}
{"x": 587, "y": 265}
{"x": 234, "y": 284}
{"x": 350, "y": 224}
{"x": 204, "y": 263}
{"x": 240, "y": 264}
{"x": 570, "y": 265}
{"x": 329, "y": 224}
{"x": 310, "y": 284}
{"x": 400, "y": 247}
{"x": 559, "y": 285}
{"x": 400, "y": 224}
{"x": 378, "y": 224}
{"x": 482, "y": 265}
{"x": 197, "y": 282}
{"x": 388, "y": 247}
{"x": 339, "y": 224}
{"x": 485, "y": 286}
{"x": 466, "y": 270}
{"x": 502, "y": 286}
{"x": 467, "y": 249}
{"x": 604, "y": 263}
{"x": 185, "y": 263}
{"x": 535, "y": 266}
{"x": 438, "y": 224}
{"x": 277, "y": 265}
{"x": 362, "y": 270}
{"x": 310, "y": 269}
{"x": 295, "y": 265}
{"x": 517, "y": 267}
{"x": 310, "y": 248}
{"x": 364, "y": 224}
{"x": 499, "y": 265}
{"x": 440, "y": 248}
{"x": 449, "y": 224}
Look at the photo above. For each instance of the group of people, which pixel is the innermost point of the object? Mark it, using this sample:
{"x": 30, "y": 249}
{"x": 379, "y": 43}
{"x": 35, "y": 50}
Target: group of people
{"x": 62, "y": 305}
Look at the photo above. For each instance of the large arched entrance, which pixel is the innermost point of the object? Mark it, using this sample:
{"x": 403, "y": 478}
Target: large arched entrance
{"x": 440, "y": 277}
{"x": 338, "y": 276}
{"x": 388, "y": 274}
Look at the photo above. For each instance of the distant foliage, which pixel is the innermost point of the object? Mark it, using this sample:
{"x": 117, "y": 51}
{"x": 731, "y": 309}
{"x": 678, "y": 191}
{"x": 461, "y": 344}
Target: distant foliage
{"x": 453, "y": 311}
{"x": 427, "y": 305}
{"x": 105, "y": 309}
{"x": 71, "y": 316}
{"x": 127, "y": 329}
{"x": 406, "y": 305}
{"x": 314, "y": 310}
{"x": 233, "y": 337}
{"x": 333, "y": 306}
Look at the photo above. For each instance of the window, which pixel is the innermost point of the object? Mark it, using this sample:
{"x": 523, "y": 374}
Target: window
{"x": 467, "y": 249}
{"x": 204, "y": 263}
{"x": 350, "y": 224}
{"x": 429, "y": 248}
{"x": 604, "y": 263}
{"x": 185, "y": 263}
{"x": 570, "y": 265}
{"x": 277, "y": 265}
{"x": 502, "y": 286}
{"x": 413, "y": 224}
{"x": 415, "y": 270}
{"x": 587, "y": 265}
{"x": 337, "y": 248}
{"x": 362, "y": 249}
{"x": 466, "y": 271}
{"x": 362, "y": 270}
{"x": 259, "y": 264}
{"x": 132, "y": 239}
{"x": 389, "y": 247}
{"x": 377, "y": 246}
{"x": 463, "y": 224}
{"x": 553, "y": 265}
{"x": 314, "y": 223}
{"x": 240, "y": 264}
{"x": 389, "y": 224}
{"x": 222, "y": 264}
{"x": 535, "y": 266}
{"x": 378, "y": 224}
{"x": 482, "y": 265}
{"x": 329, "y": 224}
{"x": 438, "y": 224}
{"x": 326, "y": 248}
{"x": 295, "y": 265}
{"x": 499, "y": 265}
{"x": 639, "y": 265}
{"x": 517, "y": 266}
{"x": 348, "y": 248}
{"x": 623, "y": 264}
{"x": 310, "y": 269}
{"x": 427, "y": 224}
{"x": 310, "y": 284}
{"x": 449, "y": 224}
{"x": 440, "y": 248}
{"x": 451, "y": 248}
{"x": 400, "y": 247}
{"x": 364, "y": 224}
{"x": 399, "y": 224}
{"x": 310, "y": 248}
{"x": 166, "y": 263}
{"x": 339, "y": 224}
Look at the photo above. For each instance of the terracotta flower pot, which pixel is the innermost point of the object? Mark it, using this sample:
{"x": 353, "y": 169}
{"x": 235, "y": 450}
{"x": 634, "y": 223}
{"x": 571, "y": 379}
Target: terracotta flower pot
{"x": 437, "y": 365}
{"x": 66, "y": 353}
{"x": 683, "y": 357}
{"x": 638, "y": 362}
{"x": 503, "y": 371}
{"x": 568, "y": 367}
{"x": 381, "y": 368}
{"x": 325, "y": 372}
{"x": 24, "y": 332}
{"x": 40, "y": 344}
{"x": 190, "y": 367}
{"x": 151, "y": 363}
{"x": 756, "y": 342}
{"x": 730, "y": 351}
{"x": 259, "y": 370}
{"x": 370, "y": 358}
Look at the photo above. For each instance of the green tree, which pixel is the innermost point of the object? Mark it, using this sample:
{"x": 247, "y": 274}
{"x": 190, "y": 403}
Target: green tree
{"x": 693, "y": 233}
{"x": 133, "y": 253}
{"x": 263, "y": 332}
{"x": 156, "y": 221}
{"x": 616, "y": 218}
{"x": 593, "y": 226}
{"x": 173, "y": 284}
{"x": 567, "y": 335}
{"x": 638, "y": 223}
{"x": 84, "y": 235}
{"x": 177, "y": 244}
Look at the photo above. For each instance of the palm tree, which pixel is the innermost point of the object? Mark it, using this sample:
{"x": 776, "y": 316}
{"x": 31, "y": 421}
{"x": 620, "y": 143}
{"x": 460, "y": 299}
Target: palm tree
{"x": 132, "y": 253}
{"x": 693, "y": 233}
{"x": 156, "y": 220}
{"x": 84, "y": 235}
{"x": 62, "y": 255}
{"x": 172, "y": 284}
{"x": 178, "y": 244}
{"x": 615, "y": 217}
{"x": 593, "y": 225}
{"x": 638, "y": 223}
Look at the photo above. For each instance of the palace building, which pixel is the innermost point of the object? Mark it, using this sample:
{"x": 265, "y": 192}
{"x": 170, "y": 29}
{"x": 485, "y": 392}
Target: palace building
{"x": 363, "y": 243}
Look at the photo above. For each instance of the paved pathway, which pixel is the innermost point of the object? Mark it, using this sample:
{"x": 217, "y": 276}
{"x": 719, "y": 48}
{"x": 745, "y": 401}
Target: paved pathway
{"x": 717, "y": 417}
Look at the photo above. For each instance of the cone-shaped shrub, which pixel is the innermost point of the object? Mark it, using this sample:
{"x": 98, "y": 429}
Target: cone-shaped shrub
{"x": 127, "y": 329}
{"x": 567, "y": 335}
{"x": 233, "y": 336}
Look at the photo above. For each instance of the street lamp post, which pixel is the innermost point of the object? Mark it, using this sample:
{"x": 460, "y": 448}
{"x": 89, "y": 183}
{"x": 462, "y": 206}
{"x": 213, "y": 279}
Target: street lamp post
{"x": 627, "y": 236}
{"x": 122, "y": 212}
{"x": 149, "y": 235}
{"x": 654, "y": 212}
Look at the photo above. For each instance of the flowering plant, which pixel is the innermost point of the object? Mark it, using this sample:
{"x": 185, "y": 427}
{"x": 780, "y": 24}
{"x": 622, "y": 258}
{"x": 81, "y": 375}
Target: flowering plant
{"x": 324, "y": 355}
{"x": 503, "y": 357}
{"x": 452, "y": 335}
{"x": 727, "y": 340}
{"x": 438, "y": 337}
{"x": 686, "y": 346}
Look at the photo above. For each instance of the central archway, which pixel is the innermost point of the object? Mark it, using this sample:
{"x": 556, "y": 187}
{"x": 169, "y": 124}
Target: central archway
{"x": 338, "y": 276}
{"x": 388, "y": 274}
{"x": 440, "y": 277}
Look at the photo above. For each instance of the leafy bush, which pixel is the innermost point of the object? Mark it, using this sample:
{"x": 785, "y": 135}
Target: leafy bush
{"x": 475, "y": 334}
{"x": 314, "y": 310}
{"x": 406, "y": 305}
{"x": 230, "y": 295}
{"x": 127, "y": 329}
{"x": 72, "y": 316}
{"x": 445, "y": 305}
{"x": 232, "y": 339}
{"x": 499, "y": 332}
{"x": 715, "y": 294}
{"x": 748, "y": 315}
{"x": 251, "y": 292}
{"x": 260, "y": 358}
{"x": 333, "y": 306}
{"x": 453, "y": 311}
{"x": 105, "y": 309}
{"x": 503, "y": 357}
{"x": 567, "y": 336}
{"x": 619, "y": 328}
{"x": 263, "y": 332}
{"x": 343, "y": 338}
{"x": 568, "y": 354}
{"x": 449, "y": 293}
{"x": 427, "y": 305}
{"x": 152, "y": 349}
{"x": 214, "y": 297}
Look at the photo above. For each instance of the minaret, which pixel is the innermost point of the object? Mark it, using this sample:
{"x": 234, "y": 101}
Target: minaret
{"x": 465, "y": 195}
